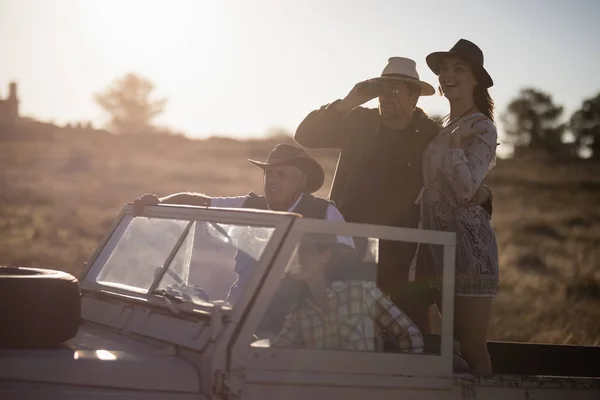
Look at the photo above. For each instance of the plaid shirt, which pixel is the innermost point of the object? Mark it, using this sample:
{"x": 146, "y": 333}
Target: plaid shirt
{"x": 357, "y": 314}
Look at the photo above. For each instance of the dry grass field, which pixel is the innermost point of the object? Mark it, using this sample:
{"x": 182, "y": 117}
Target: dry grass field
{"x": 60, "y": 191}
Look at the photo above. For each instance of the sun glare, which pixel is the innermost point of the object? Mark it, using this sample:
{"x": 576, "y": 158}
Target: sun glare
{"x": 183, "y": 47}
{"x": 150, "y": 27}
{"x": 105, "y": 355}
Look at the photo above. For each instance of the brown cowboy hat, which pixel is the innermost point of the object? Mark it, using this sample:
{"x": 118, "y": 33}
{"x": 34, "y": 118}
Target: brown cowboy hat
{"x": 292, "y": 155}
{"x": 468, "y": 52}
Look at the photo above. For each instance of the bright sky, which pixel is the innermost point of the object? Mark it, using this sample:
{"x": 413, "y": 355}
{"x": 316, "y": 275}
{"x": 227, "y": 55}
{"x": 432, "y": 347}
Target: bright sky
{"x": 244, "y": 67}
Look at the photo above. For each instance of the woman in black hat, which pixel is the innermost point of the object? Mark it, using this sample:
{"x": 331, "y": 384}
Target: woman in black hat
{"x": 454, "y": 166}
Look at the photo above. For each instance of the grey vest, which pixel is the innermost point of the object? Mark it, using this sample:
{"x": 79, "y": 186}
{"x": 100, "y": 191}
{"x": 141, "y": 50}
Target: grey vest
{"x": 309, "y": 206}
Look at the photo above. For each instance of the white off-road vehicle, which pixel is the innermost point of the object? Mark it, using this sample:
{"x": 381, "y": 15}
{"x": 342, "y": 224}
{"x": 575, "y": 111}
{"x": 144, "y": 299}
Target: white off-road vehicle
{"x": 149, "y": 319}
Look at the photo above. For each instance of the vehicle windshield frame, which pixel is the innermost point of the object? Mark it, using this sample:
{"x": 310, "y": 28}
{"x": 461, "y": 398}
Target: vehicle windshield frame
{"x": 279, "y": 221}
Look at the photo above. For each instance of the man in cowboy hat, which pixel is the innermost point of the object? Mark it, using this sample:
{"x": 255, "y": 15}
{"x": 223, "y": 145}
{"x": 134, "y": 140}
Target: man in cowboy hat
{"x": 290, "y": 178}
{"x": 379, "y": 175}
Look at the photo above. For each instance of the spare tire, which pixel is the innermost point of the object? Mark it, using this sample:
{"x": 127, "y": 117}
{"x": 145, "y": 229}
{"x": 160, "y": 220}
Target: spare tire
{"x": 39, "y": 308}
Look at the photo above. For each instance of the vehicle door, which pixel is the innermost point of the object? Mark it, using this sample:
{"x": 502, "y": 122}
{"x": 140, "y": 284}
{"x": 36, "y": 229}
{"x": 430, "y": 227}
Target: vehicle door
{"x": 342, "y": 352}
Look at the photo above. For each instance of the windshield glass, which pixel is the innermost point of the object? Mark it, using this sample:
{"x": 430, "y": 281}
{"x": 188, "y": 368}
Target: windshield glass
{"x": 191, "y": 260}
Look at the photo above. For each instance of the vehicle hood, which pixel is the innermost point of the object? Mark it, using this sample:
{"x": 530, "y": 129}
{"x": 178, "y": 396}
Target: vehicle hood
{"x": 105, "y": 362}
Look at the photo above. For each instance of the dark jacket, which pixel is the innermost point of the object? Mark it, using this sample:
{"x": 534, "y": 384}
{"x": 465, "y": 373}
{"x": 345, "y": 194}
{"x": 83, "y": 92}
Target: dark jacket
{"x": 355, "y": 135}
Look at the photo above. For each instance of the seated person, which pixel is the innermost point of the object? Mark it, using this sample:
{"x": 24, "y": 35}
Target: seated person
{"x": 340, "y": 309}
{"x": 291, "y": 291}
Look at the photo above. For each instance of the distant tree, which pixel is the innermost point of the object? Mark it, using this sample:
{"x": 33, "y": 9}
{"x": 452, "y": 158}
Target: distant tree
{"x": 585, "y": 126}
{"x": 130, "y": 106}
{"x": 532, "y": 122}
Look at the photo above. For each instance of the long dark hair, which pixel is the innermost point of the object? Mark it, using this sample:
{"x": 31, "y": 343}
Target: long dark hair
{"x": 483, "y": 101}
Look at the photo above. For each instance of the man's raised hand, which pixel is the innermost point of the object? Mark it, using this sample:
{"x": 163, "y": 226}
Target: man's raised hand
{"x": 361, "y": 93}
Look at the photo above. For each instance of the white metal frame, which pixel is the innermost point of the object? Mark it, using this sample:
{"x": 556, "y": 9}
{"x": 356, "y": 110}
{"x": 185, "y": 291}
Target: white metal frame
{"x": 279, "y": 221}
{"x": 288, "y": 363}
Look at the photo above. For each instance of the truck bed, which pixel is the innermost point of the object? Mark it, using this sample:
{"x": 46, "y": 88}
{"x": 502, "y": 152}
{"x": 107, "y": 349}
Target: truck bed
{"x": 533, "y": 359}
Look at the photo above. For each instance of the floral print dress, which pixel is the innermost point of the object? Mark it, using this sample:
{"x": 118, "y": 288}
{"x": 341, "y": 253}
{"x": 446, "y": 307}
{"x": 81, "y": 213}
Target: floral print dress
{"x": 451, "y": 179}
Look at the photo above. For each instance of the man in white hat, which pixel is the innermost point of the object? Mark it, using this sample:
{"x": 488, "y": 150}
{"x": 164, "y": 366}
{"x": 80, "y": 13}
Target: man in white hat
{"x": 379, "y": 175}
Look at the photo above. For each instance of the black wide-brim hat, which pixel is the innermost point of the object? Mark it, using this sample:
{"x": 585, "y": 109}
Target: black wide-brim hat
{"x": 468, "y": 52}
{"x": 292, "y": 155}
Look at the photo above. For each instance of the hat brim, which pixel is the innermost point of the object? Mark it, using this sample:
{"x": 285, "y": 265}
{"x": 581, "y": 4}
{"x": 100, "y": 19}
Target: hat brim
{"x": 426, "y": 88}
{"x": 313, "y": 170}
{"x": 434, "y": 61}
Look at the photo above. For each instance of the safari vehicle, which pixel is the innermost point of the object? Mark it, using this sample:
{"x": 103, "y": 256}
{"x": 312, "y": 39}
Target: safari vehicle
{"x": 155, "y": 324}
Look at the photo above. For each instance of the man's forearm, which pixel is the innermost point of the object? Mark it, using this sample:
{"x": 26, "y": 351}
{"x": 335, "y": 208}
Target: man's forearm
{"x": 190, "y": 199}
{"x": 324, "y": 128}
{"x": 343, "y": 106}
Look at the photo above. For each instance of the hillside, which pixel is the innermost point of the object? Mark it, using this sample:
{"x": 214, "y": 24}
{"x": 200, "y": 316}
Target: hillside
{"x": 60, "y": 191}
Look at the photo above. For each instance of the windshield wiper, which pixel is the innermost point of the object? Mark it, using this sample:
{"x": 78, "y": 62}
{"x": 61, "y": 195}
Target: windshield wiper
{"x": 169, "y": 298}
{"x": 168, "y": 295}
{"x": 171, "y": 256}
